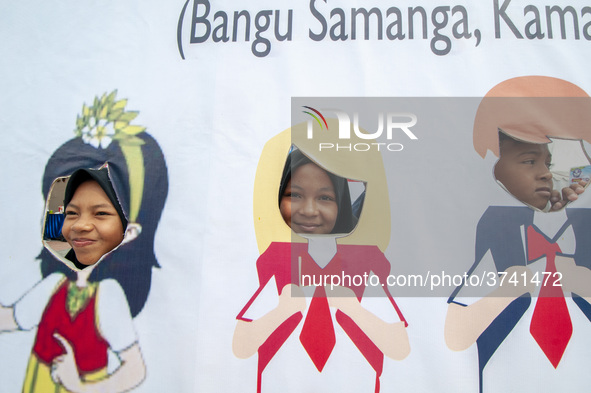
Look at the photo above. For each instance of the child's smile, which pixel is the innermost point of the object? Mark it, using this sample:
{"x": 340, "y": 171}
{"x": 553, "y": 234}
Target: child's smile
{"x": 309, "y": 203}
{"x": 92, "y": 226}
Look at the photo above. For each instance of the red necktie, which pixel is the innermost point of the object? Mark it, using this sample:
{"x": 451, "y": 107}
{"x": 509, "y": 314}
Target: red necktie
{"x": 550, "y": 326}
{"x": 317, "y": 334}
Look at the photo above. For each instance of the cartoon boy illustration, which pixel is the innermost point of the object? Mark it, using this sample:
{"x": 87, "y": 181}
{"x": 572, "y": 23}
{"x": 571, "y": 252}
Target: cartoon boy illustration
{"x": 84, "y": 306}
{"x": 539, "y": 250}
{"x": 305, "y": 226}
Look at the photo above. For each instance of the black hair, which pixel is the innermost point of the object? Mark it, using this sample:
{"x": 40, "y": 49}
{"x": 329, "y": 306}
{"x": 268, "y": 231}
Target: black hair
{"x": 504, "y": 137}
{"x": 131, "y": 264}
{"x": 345, "y": 222}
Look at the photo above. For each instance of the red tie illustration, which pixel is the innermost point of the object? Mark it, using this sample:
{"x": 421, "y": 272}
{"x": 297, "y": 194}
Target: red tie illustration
{"x": 550, "y": 326}
{"x": 317, "y": 334}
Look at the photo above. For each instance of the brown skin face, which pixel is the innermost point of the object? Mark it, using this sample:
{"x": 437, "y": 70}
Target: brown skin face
{"x": 524, "y": 170}
{"x": 92, "y": 226}
{"x": 309, "y": 203}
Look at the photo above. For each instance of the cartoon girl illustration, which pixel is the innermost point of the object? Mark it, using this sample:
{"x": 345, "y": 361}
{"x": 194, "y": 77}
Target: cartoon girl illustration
{"x": 85, "y": 311}
{"x": 539, "y": 249}
{"x": 305, "y": 229}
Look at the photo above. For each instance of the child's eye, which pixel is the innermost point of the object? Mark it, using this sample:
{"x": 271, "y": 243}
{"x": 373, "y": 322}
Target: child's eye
{"x": 103, "y": 214}
{"x": 294, "y": 195}
{"x": 70, "y": 213}
{"x": 327, "y": 198}
{"x": 529, "y": 162}
{"x": 549, "y": 165}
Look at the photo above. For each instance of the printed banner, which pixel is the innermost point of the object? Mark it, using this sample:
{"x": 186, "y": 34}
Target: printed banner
{"x": 328, "y": 195}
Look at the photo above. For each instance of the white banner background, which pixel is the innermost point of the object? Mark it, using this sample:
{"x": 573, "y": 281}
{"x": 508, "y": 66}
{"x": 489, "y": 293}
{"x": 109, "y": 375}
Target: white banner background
{"x": 212, "y": 115}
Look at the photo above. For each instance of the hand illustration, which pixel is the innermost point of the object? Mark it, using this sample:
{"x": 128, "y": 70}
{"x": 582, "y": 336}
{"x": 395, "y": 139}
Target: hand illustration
{"x": 63, "y": 368}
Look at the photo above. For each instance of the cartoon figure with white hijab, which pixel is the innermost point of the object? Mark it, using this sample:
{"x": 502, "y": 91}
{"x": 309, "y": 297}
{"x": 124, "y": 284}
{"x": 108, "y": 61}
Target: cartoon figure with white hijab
{"x": 94, "y": 285}
{"x": 532, "y": 329}
{"x": 306, "y": 230}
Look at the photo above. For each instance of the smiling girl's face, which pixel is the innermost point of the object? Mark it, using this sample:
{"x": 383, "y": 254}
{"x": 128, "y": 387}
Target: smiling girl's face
{"x": 92, "y": 226}
{"x": 309, "y": 204}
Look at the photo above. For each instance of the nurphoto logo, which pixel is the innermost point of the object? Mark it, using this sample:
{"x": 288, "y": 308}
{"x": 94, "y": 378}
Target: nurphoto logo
{"x": 393, "y": 124}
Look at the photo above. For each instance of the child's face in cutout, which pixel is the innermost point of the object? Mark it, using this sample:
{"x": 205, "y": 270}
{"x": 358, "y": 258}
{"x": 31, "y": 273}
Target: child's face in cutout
{"x": 524, "y": 169}
{"x": 309, "y": 203}
{"x": 92, "y": 226}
